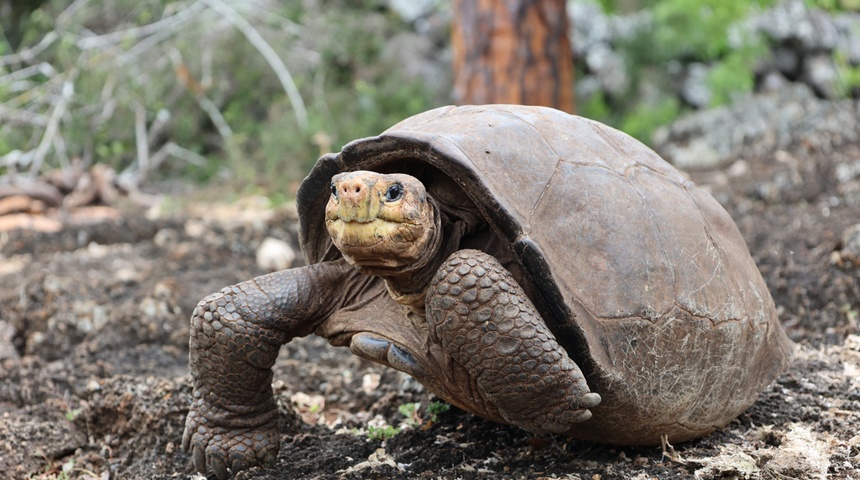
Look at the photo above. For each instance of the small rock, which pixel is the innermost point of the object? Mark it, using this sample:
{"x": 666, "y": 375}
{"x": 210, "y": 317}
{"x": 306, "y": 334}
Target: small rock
{"x": 590, "y": 26}
{"x": 609, "y": 67}
{"x": 376, "y": 459}
{"x": 772, "y": 82}
{"x": 820, "y": 72}
{"x": 695, "y": 155}
{"x": 370, "y": 382}
{"x": 695, "y": 89}
{"x": 274, "y": 254}
{"x": 802, "y": 453}
{"x": 787, "y": 61}
{"x": 850, "y": 247}
{"x": 310, "y": 407}
{"x": 195, "y": 228}
{"x": 739, "y": 169}
{"x": 7, "y": 348}
{"x": 732, "y": 462}
{"x": 412, "y": 10}
{"x": 166, "y": 237}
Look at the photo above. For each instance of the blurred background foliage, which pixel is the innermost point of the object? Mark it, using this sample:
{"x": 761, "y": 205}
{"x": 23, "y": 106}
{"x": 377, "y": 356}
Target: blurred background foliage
{"x": 665, "y": 42}
{"x": 253, "y": 91}
{"x": 678, "y": 32}
{"x": 187, "y": 74}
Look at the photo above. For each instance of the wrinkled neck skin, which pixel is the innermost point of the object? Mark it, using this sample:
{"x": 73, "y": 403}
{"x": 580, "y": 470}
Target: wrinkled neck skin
{"x": 408, "y": 284}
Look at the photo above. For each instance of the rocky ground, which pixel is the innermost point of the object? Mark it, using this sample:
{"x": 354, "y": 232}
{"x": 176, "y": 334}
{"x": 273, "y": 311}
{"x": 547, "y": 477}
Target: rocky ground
{"x": 94, "y": 328}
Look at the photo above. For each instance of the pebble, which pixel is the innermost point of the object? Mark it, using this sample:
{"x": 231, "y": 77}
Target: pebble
{"x": 275, "y": 254}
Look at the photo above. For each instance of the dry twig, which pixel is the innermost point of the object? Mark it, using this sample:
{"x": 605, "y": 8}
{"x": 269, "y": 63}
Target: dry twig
{"x": 269, "y": 54}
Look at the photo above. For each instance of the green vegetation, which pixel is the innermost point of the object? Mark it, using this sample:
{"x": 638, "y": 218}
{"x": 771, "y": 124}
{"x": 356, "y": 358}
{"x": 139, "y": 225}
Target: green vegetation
{"x": 410, "y": 411}
{"x": 250, "y": 93}
{"x": 835, "y": 5}
{"x": 437, "y": 408}
{"x": 681, "y": 32}
{"x": 849, "y": 77}
{"x": 382, "y": 433}
{"x": 73, "y": 413}
{"x": 413, "y": 418}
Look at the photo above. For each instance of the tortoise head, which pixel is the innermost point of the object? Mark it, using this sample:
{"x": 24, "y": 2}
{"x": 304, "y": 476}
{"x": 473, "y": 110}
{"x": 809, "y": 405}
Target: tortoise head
{"x": 380, "y": 221}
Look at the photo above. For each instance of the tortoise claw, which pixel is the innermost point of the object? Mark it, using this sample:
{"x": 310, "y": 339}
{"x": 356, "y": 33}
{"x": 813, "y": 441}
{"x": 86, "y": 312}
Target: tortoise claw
{"x": 370, "y": 347}
{"x": 224, "y": 442}
{"x": 216, "y": 464}
{"x": 382, "y": 350}
{"x": 404, "y": 361}
{"x": 589, "y": 400}
{"x": 199, "y": 458}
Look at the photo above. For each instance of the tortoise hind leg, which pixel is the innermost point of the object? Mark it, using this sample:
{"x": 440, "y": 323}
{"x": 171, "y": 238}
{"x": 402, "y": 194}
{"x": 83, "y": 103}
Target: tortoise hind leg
{"x": 485, "y": 322}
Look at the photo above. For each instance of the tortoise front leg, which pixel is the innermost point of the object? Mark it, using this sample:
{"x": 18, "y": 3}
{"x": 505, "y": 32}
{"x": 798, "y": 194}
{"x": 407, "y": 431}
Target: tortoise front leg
{"x": 235, "y": 338}
{"x": 485, "y": 322}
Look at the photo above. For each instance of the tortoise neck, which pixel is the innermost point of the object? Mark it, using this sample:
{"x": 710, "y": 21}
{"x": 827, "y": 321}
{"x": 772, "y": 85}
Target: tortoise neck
{"x": 407, "y": 284}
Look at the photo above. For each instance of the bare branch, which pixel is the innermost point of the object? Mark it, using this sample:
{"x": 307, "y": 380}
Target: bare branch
{"x": 42, "y": 93}
{"x": 60, "y": 149}
{"x": 207, "y": 105}
{"x": 43, "y": 68}
{"x": 162, "y": 120}
{"x": 166, "y": 23}
{"x": 53, "y": 123}
{"x": 217, "y": 119}
{"x": 154, "y": 39}
{"x": 12, "y": 115}
{"x": 185, "y": 154}
{"x": 15, "y": 158}
{"x": 269, "y": 54}
{"x": 140, "y": 139}
{"x": 29, "y": 54}
{"x": 133, "y": 176}
{"x": 70, "y": 10}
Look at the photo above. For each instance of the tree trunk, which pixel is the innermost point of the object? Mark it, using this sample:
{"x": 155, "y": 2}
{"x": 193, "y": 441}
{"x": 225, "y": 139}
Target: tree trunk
{"x": 512, "y": 51}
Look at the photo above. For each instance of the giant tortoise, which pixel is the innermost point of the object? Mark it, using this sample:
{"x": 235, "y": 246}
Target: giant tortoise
{"x": 529, "y": 266}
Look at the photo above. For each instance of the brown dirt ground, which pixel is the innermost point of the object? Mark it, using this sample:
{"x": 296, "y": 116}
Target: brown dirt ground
{"x": 94, "y": 379}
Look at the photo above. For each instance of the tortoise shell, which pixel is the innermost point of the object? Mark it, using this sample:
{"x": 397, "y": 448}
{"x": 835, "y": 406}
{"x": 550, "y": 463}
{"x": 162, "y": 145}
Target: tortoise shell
{"x": 641, "y": 275}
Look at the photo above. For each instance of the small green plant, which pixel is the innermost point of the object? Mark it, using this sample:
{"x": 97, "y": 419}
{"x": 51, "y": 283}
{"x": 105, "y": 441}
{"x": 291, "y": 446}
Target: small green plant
{"x": 410, "y": 411}
{"x": 381, "y": 433}
{"x": 414, "y": 417}
{"x": 73, "y": 413}
{"x": 849, "y": 75}
{"x": 437, "y": 408}
{"x": 850, "y": 313}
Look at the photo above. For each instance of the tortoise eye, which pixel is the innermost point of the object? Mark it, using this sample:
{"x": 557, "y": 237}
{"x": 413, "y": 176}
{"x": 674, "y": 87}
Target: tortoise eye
{"x": 333, "y": 190}
{"x": 394, "y": 192}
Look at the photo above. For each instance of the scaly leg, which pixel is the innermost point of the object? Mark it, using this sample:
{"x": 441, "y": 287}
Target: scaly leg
{"x": 489, "y": 327}
{"x": 235, "y": 338}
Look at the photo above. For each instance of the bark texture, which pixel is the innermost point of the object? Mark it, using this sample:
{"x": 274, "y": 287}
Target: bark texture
{"x": 512, "y": 51}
